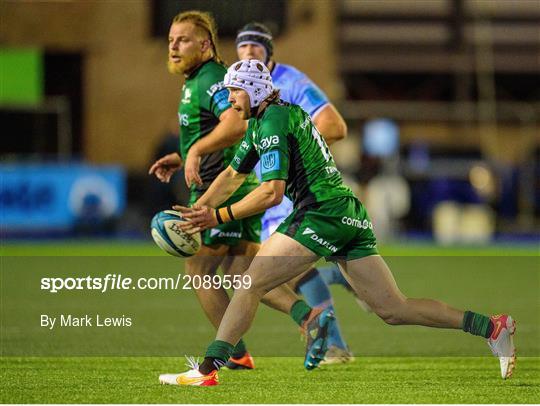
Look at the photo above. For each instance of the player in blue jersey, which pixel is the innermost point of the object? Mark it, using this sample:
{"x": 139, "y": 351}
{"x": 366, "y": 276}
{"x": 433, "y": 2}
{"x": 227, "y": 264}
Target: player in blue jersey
{"x": 254, "y": 41}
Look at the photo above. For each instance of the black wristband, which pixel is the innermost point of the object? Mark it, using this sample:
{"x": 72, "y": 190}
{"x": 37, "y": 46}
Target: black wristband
{"x": 218, "y": 217}
{"x": 229, "y": 210}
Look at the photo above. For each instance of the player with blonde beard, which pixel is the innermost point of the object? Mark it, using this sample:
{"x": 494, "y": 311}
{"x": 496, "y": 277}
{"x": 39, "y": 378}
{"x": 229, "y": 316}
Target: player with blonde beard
{"x": 210, "y": 131}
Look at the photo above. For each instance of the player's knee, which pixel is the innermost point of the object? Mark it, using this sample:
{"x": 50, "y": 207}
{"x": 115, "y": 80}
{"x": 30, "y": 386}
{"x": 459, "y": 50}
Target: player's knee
{"x": 391, "y": 314}
{"x": 251, "y": 290}
{"x": 391, "y": 319}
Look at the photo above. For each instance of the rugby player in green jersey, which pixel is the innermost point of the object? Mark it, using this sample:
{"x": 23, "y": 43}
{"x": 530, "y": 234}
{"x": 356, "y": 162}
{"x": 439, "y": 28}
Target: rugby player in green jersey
{"x": 210, "y": 131}
{"x": 327, "y": 221}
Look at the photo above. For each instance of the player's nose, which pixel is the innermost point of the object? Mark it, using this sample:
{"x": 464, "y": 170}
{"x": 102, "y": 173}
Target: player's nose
{"x": 173, "y": 45}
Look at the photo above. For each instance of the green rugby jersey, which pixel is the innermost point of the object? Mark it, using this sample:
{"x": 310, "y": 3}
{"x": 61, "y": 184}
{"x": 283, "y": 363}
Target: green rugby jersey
{"x": 290, "y": 148}
{"x": 204, "y": 99}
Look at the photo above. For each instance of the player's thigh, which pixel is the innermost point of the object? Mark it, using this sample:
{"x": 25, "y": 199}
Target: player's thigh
{"x": 373, "y": 282}
{"x": 239, "y": 258}
{"x": 279, "y": 260}
{"x": 207, "y": 260}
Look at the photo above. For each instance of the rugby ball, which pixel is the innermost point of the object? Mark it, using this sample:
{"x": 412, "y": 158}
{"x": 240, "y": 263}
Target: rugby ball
{"x": 171, "y": 238}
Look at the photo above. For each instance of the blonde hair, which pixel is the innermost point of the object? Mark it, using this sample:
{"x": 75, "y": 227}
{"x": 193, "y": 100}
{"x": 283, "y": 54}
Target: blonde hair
{"x": 204, "y": 21}
{"x": 274, "y": 96}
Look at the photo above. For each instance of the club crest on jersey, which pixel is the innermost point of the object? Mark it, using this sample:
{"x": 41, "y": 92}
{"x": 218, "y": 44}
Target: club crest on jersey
{"x": 269, "y": 162}
{"x": 187, "y": 96}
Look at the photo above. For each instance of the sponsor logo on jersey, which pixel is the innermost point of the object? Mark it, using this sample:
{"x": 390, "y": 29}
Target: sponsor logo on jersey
{"x": 319, "y": 240}
{"x": 183, "y": 119}
{"x": 269, "y": 141}
{"x": 216, "y": 232}
{"x": 331, "y": 169}
{"x": 361, "y": 224}
{"x": 269, "y": 162}
{"x": 244, "y": 145}
{"x": 215, "y": 88}
{"x": 186, "y": 96}
{"x": 221, "y": 99}
{"x": 314, "y": 95}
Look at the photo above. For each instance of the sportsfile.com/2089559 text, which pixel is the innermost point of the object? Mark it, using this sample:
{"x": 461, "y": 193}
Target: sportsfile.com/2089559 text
{"x": 112, "y": 282}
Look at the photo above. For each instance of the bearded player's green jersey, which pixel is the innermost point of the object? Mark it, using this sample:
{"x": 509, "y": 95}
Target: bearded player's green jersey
{"x": 204, "y": 99}
{"x": 290, "y": 148}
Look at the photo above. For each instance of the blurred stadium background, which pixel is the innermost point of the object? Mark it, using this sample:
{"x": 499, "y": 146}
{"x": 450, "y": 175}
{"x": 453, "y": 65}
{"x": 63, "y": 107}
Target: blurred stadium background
{"x": 442, "y": 100}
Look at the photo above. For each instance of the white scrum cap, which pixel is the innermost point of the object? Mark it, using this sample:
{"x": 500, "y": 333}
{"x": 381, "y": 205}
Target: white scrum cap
{"x": 252, "y": 76}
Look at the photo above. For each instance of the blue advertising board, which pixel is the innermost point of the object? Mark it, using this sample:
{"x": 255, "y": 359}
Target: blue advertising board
{"x": 38, "y": 197}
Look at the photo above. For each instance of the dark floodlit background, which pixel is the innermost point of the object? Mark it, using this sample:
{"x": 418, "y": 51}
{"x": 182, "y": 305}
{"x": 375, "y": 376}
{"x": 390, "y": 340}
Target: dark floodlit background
{"x": 441, "y": 97}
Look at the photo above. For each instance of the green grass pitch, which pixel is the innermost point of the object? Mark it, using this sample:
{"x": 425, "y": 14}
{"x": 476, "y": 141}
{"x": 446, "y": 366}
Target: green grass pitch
{"x": 403, "y": 364}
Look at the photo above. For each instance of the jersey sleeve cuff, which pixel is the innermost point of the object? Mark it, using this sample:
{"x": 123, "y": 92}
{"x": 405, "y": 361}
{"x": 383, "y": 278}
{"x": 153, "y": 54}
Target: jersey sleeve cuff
{"x": 318, "y": 110}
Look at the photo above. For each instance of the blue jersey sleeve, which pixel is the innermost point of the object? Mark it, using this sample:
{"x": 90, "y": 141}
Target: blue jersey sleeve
{"x": 297, "y": 88}
{"x": 308, "y": 96}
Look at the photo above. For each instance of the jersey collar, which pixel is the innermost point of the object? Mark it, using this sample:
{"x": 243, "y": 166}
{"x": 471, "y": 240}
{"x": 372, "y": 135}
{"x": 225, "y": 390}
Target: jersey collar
{"x": 197, "y": 69}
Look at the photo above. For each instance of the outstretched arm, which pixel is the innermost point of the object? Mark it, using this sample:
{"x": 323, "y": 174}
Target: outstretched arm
{"x": 267, "y": 195}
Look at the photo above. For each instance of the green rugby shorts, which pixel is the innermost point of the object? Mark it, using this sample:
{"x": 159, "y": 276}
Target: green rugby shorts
{"x": 336, "y": 228}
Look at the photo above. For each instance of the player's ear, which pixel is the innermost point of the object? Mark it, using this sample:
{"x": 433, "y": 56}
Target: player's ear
{"x": 205, "y": 45}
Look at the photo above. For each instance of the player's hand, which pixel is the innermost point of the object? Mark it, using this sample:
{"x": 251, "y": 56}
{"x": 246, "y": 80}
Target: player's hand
{"x": 198, "y": 218}
{"x": 166, "y": 166}
{"x": 192, "y": 167}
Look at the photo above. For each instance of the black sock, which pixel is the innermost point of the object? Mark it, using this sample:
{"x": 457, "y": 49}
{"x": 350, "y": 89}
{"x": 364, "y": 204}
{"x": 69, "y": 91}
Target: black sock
{"x": 210, "y": 364}
{"x": 217, "y": 355}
